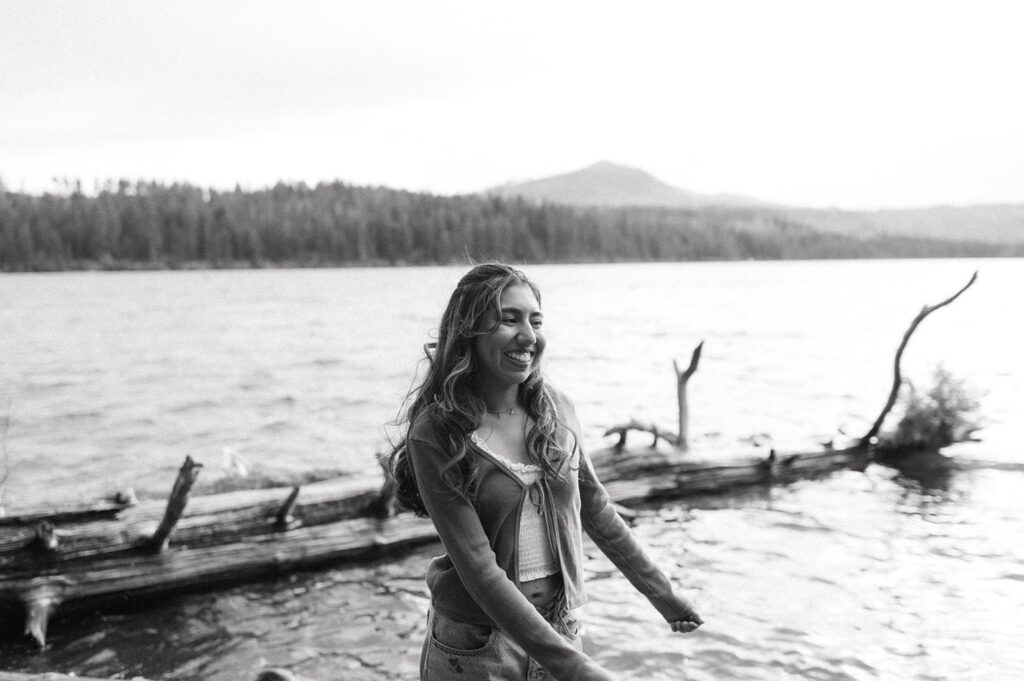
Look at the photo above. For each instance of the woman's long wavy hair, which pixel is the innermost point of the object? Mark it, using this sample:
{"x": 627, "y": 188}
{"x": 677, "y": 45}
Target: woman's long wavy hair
{"x": 450, "y": 393}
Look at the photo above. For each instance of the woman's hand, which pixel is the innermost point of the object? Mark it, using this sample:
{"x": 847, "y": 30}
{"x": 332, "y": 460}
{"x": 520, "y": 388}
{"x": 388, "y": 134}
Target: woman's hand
{"x": 684, "y": 626}
{"x": 688, "y": 620}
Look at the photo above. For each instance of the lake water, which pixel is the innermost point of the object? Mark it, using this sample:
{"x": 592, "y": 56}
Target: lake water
{"x": 108, "y": 380}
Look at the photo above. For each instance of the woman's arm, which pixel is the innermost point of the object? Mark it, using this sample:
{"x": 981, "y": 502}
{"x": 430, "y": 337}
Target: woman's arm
{"x": 470, "y": 551}
{"x": 613, "y": 536}
{"x": 615, "y": 539}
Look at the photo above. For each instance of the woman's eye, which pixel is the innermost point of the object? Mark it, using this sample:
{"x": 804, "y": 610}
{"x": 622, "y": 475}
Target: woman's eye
{"x": 508, "y": 320}
{"x": 537, "y": 323}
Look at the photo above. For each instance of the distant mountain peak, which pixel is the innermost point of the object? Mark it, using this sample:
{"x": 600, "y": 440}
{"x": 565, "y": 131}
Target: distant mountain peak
{"x": 606, "y": 166}
{"x": 609, "y": 169}
{"x": 611, "y": 185}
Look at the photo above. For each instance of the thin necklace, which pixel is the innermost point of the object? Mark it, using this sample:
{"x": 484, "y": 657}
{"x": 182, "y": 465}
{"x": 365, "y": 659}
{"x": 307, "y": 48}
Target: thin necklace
{"x": 500, "y": 413}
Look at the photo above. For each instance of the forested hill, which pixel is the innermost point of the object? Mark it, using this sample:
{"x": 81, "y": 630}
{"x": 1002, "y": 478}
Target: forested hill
{"x": 155, "y": 225}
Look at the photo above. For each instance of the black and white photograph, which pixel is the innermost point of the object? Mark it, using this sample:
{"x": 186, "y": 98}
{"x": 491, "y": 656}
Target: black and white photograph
{"x": 568, "y": 341}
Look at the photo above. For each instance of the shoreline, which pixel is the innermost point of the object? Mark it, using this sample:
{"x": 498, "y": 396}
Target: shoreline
{"x": 199, "y": 265}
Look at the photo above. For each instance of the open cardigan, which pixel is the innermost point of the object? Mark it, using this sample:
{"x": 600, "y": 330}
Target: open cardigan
{"x": 477, "y": 581}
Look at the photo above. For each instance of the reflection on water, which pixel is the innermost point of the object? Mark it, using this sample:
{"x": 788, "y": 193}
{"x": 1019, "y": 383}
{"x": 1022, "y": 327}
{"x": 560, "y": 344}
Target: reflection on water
{"x": 366, "y": 621}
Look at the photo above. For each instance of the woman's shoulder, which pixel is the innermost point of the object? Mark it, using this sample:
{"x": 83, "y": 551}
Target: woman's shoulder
{"x": 563, "y": 404}
{"x": 426, "y": 426}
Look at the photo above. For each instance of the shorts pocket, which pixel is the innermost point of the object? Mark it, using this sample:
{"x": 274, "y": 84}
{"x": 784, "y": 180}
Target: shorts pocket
{"x": 571, "y": 625}
{"x": 461, "y": 638}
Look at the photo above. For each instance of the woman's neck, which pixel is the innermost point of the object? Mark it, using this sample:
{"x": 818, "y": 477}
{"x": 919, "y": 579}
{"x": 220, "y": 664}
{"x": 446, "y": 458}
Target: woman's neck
{"x": 502, "y": 401}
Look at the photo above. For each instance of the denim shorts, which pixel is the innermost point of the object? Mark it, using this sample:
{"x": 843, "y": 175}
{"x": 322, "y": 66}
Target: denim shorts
{"x": 481, "y": 652}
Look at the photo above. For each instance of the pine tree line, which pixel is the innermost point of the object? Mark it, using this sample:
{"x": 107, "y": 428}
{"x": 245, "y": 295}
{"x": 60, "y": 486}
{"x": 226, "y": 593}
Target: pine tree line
{"x": 149, "y": 224}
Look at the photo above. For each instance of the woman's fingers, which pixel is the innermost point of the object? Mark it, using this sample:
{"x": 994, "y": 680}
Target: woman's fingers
{"x": 684, "y": 627}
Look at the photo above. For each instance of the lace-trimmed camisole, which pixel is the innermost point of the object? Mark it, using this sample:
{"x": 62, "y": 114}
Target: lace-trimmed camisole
{"x": 536, "y": 559}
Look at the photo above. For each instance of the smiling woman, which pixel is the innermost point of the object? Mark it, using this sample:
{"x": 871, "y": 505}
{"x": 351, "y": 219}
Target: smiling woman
{"x": 492, "y": 454}
{"x": 512, "y": 349}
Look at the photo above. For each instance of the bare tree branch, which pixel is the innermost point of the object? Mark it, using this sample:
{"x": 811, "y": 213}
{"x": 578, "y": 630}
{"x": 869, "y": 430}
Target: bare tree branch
{"x": 684, "y": 411}
{"x": 897, "y": 378}
{"x": 176, "y": 503}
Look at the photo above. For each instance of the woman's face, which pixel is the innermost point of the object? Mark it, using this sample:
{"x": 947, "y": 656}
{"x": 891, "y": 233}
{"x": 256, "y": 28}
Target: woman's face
{"x": 507, "y": 355}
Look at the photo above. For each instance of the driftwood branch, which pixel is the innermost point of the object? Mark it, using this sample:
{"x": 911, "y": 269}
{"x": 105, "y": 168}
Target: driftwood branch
{"x": 285, "y": 519}
{"x": 642, "y": 426}
{"x": 40, "y": 602}
{"x": 897, "y": 379}
{"x": 176, "y": 503}
{"x": 45, "y": 536}
{"x": 679, "y": 439}
{"x": 684, "y": 412}
{"x": 385, "y": 505}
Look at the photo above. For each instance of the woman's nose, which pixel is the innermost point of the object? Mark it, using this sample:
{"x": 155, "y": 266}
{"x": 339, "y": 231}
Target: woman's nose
{"x": 526, "y": 334}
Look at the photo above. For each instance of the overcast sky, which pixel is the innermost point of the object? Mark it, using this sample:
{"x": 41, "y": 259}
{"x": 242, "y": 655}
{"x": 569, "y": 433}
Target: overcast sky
{"x": 849, "y": 104}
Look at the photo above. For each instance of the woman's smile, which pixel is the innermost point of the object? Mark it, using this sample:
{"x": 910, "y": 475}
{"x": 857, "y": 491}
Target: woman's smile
{"x": 524, "y": 357}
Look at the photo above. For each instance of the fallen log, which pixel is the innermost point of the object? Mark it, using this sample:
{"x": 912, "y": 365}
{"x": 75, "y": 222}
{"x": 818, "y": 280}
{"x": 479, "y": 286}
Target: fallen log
{"x": 224, "y": 537}
{"x": 664, "y": 474}
{"x": 183, "y": 569}
{"x": 210, "y": 519}
{"x": 92, "y": 511}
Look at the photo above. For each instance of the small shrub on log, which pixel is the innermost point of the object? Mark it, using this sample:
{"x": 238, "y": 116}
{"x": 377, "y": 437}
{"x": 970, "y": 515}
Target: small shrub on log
{"x": 934, "y": 418}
